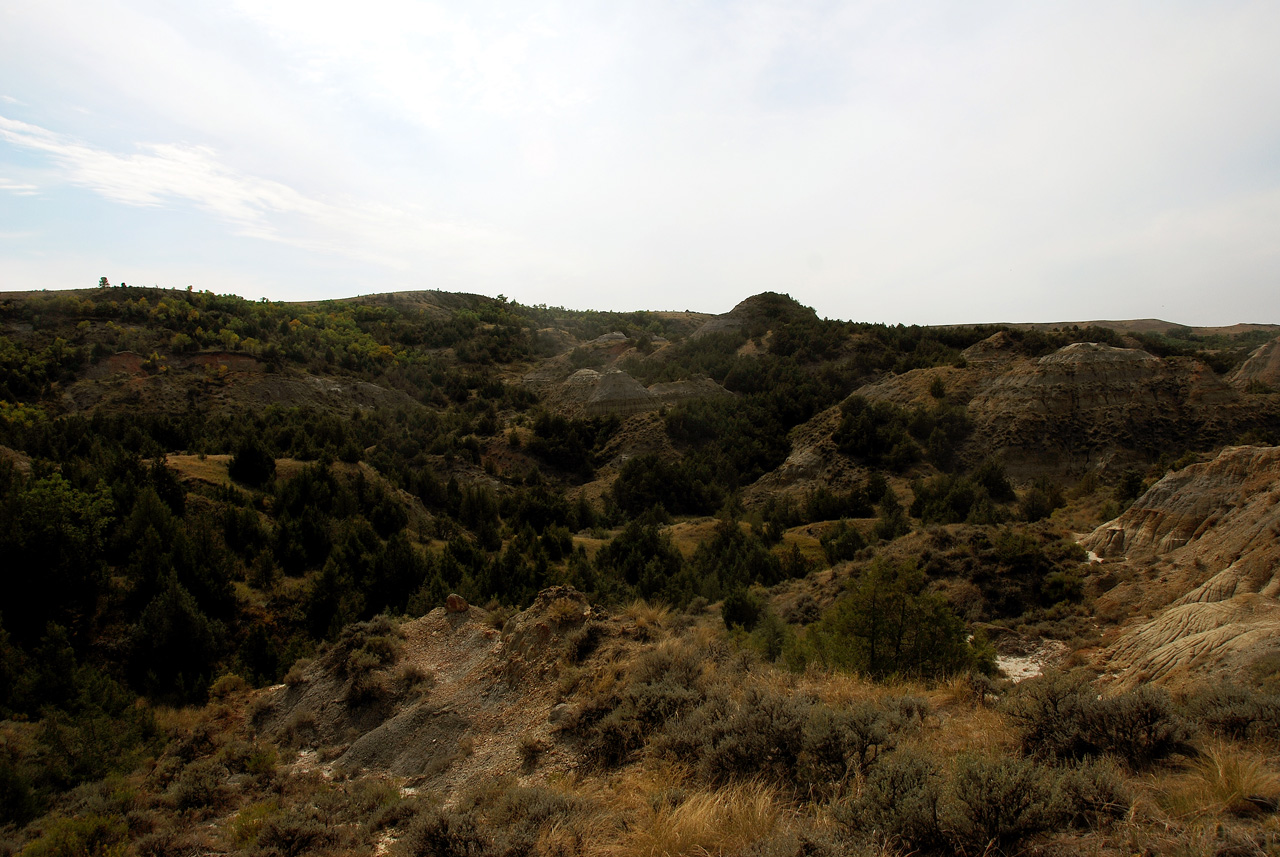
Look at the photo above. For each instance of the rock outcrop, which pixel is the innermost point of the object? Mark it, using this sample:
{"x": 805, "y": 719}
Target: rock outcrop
{"x": 448, "y": 698}
{"x": 680, "y": 391}
{"x": 814, "y": 461}
{"x": 999, "y": 348}
{"x": 617, "y": 393}
{"x": 1200, "y": 553}
{"x": 593, "y": 393}
{"x": 1261, "y": 371}
{"x": 1087, "y": 404}
{"x": 1224, "y": 503}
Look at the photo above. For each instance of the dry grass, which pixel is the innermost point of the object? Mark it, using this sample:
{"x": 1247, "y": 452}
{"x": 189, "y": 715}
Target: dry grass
{"x": 704, "y": 823}
{"x": 981, "y": 731}
{"x": 959, "y": 691}
{"x": 839, "y": 689}
{"x": 1221, "y": 782}
{"x": 648, "y": 617}
{"x": 687, "y": 535}
{"x": 211, "y": 469}
{"x": 564, "y": 611}
{"x": 174, "y": 721}
{"x": 803, "y": 538}
{"x": 588, "y": 543}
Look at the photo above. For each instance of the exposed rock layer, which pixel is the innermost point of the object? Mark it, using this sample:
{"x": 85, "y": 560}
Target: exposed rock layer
{"x": 1085, "y": 403}
{"x": 1262, "y": 369}
{"x": 1200, "y": 552}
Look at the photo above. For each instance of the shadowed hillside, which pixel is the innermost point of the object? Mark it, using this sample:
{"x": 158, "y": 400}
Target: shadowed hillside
{"x": 431, "y": 573}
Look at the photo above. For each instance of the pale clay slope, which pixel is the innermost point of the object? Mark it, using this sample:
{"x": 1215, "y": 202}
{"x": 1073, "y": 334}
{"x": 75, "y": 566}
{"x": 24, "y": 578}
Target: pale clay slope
{"x": 1262, "y": 367}
{"x": 489, "y": 694}
{"x": 1201, "y": 550}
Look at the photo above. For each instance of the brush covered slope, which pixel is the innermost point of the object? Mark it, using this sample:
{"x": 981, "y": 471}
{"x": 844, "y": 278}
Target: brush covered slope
{"x": 246, "y": 544}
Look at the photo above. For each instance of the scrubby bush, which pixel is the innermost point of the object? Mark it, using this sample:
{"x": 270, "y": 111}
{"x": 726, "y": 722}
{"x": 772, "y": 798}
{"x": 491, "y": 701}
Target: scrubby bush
{"x": 741, "y": 609}
{"x": 838, "y": 744}
{"x": 763, "y": 735}
{"x": 1053, "y": 711}
{"x": 842, "y": 543}
{"x": 1093, "y": 793}
{"x": 772, "y": 637}
{"x": 980, "y": 804}
{"x": 787, "y": 740}
{"x": 227, "y": 685}
{"x": 893, "y": 521}
{"x": 1234, "y": 711}
{"x": 252, "y": 463}
{"x": 1061, "y": 716}
{"x": 443, "y": 833}
{"x": 1140, "y": 726}
{"x": 500, "y": 820}
{"x": 90, "y": 835}
{"x": 201, "y": 785}
{"x": 295, "y": 831}
{"x": 994, "y": 802}
{"x": 665, "y": 684}
{"x": 582, "y": 641}
{"x": 876, "y": 432}
{"x": 1040, "y": 500}
{"x": 900, "y": 801}
{"x": 361, "y": 651}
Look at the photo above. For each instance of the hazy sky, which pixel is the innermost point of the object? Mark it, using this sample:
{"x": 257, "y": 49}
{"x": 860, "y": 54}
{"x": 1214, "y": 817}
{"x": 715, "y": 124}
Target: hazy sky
{"x": 919, "y": 162}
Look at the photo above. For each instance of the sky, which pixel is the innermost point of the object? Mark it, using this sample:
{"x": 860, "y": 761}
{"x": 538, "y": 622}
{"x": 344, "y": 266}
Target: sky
{"x": 916, "y": 163}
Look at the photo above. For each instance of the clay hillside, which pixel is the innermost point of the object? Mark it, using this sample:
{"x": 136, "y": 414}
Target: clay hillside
{"x": 439, "y": 574}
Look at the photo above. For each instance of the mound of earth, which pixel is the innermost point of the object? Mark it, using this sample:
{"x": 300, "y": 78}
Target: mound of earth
{"x": 1086, "y": 406}
{"x": 619, "y": 394}
{"x": 447, "y": 699}
{"x": 998, "y": 349}
{"x": 1089, "y": 405}
{"x": 756, "y": 311}
{"x": 914, "y": 388}
{"x": 612, "y": 392}
{"x": 1199, "y": 553}
{"x": 673, "y": 392}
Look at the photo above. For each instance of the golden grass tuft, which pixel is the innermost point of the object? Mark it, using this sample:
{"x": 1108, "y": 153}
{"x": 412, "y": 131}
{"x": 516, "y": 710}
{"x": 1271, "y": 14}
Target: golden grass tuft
{"x": 174, "y": 721}
{"x": 647, "y": 616}
{"x": 840, "y": 689}
{"x": 687, "y": 535}
{"x": 704, "y": 824}
{"x": 958, "y": 690}
{"x": 210, "y": 469}
{"x": 1224, "y": 780}
{"x": 564, "y": 611}
{"x": 983, "y": 731}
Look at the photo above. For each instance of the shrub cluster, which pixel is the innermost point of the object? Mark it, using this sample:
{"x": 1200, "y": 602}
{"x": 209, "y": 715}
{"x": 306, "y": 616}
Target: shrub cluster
{"x": 687, "y": 704}
{"x": 1062, "y": 717}
{"x": 979, "y": 804}
{"x": 501, "y": 820}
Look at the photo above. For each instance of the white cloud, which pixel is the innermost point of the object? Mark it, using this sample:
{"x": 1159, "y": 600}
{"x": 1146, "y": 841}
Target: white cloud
{"x": 18, "y": 188}
{"x": 163, "y": 174}
{"x": 428, "y": 62}
{"x": 943, "y": 162}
